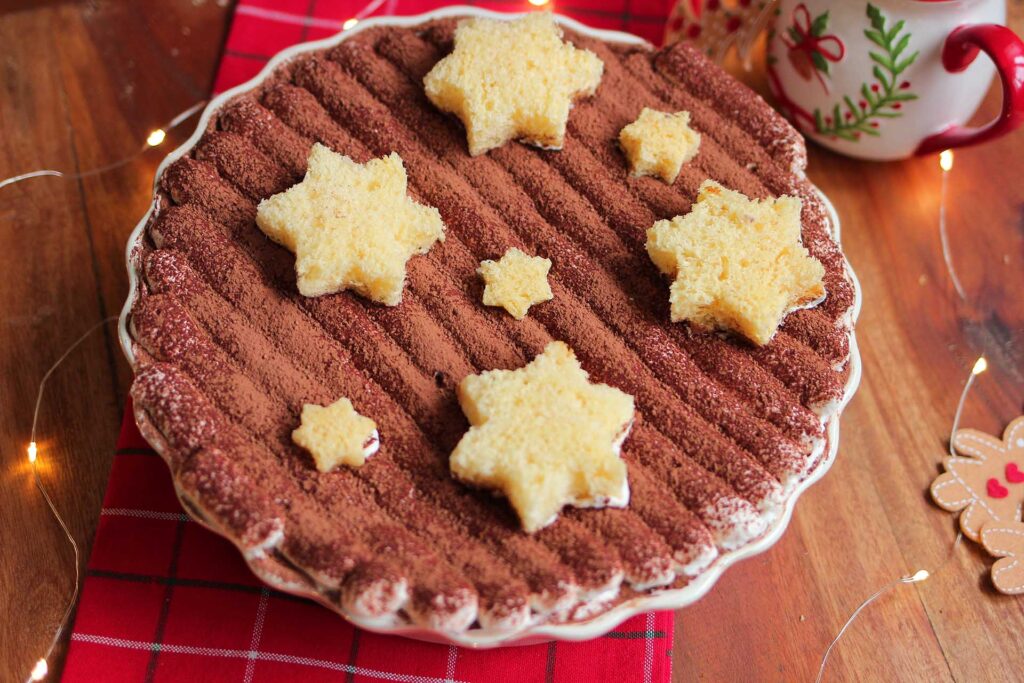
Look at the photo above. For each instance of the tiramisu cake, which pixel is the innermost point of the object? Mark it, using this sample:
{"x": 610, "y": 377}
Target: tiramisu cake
{"x": 480, "y": 324}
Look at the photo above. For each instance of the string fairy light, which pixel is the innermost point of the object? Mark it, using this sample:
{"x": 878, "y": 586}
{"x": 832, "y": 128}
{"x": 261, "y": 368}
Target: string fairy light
{"x": 980, "y": 366}
{"x": 946, "y": 164}
{"x": 39, "y": 671}
{"x": 369, "y": 9}
{"x": 41, "y": 667}
{"x": 158, "y": 136}
{"x": 946, "y": 160}
{"x": 155, "y": 138}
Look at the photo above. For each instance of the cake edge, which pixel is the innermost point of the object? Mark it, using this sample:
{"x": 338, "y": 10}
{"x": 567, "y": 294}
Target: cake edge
{"x": 275, "y": 570}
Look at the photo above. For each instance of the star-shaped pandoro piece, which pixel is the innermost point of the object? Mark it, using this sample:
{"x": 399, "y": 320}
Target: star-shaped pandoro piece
{"x": 351, "y": 226}
{"x": 986, "y": 479}
{"x": 545, "y": 437}
{"x": 737, "y": 264}
{"x": 516, "y": 281}
{"x": 336, "y": 435}
{"x": 659, "y": 143}
{"x": 510, "y": 80}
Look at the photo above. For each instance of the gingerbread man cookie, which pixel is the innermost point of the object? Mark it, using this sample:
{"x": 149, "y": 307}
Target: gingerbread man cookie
{"x": 1007, "y": 542}
{"x": 986, "y": 481}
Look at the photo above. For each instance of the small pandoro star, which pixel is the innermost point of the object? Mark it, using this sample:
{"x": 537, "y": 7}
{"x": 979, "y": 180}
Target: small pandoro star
{"x": 545, "y": 437}
{"x": 986, "y": 480}
{"x": 659, "y": 143}
{"x": 516, "y": 282}
{"x": 336, "y": 435}
{"x": 736, "y": 263}
{"x": 512, "y": 79}
{"x": 351, "y": 226}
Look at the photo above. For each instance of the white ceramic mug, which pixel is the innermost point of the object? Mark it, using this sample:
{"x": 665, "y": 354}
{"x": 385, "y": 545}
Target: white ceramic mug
{"x": 888, "y": 79}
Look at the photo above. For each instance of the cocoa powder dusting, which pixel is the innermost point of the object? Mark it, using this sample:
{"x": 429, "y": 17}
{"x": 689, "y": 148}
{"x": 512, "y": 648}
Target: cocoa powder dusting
{"x": 229, "y": 352}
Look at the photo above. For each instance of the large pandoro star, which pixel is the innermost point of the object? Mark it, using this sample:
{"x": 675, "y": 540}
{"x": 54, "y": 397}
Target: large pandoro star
{"x": 351, "y": 226}
{"x": 545, "y": 437}
{"x": 737, "y": 264}
{"x": 511, "y": 80}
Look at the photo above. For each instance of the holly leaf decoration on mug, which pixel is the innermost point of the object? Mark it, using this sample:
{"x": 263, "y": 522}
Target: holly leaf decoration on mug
{"x": 986, "y": 481}
{"x": 882, "y": 98}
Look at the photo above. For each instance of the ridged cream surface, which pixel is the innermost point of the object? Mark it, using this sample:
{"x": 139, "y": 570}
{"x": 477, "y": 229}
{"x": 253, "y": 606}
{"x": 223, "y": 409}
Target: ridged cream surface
{"x": 228, "y": 351}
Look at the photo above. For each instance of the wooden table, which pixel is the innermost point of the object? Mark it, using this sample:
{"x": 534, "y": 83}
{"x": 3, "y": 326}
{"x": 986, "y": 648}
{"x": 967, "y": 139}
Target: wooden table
{"x": 83, "y": 83}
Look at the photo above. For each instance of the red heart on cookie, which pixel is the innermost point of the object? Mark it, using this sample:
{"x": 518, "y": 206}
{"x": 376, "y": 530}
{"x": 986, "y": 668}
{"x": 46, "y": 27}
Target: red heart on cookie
{"x": 1014, "y": 475}
{"x": 995, "y": 489}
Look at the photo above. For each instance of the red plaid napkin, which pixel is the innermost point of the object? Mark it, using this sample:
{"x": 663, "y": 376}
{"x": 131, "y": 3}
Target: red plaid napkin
{"x": 262, "y": 28}
{"x": 166, "y": 600}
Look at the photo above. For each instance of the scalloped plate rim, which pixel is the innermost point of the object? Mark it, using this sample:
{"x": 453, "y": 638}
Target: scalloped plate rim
{"x": 573, "y": 631}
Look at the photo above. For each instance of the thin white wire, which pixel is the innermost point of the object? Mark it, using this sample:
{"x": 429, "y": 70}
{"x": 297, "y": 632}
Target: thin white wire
{"x": 171, "y": 125}
{"x": 960, "y": 411}
{"x": 910, "y": 578}
{"x": 311, "y": 22}
{"x": 916, "y": 576}
{"x": 63, "y": 357}
{"x": 369, "y": 9}
{"x": 25, "y": 176}
{"x": 856, "y": 613}
{"x": 46, "y": 496}
{"x": 947, "y": 253}
{"x": 180, "y": 118}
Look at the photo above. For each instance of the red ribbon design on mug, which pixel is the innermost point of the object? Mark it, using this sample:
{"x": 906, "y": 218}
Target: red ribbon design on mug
{"x": 801, "y": 39}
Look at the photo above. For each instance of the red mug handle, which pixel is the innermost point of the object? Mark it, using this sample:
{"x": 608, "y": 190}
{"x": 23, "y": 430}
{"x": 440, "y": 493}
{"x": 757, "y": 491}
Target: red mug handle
{"x": 1007, "y": 51}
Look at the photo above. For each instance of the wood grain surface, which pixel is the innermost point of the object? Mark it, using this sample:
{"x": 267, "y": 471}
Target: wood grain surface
{"x": 81, "y": 84}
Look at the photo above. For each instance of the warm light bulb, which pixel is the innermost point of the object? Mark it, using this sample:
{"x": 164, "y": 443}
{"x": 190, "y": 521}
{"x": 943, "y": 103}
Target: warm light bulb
{"x": 980, "y": 366}
{"x": 946, "y": 160}
{"x": 920, "y": 575}
{"x": 539, "y": 3}
{"x": 156, "y": 137}
{"x": 349, "y": 23}
{"x": 40, "y": 670}
{"x": 31, "y": 451}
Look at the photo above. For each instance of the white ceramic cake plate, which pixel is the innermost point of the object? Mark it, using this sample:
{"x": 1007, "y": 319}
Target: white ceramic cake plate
{"x": 596, "y": 626}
